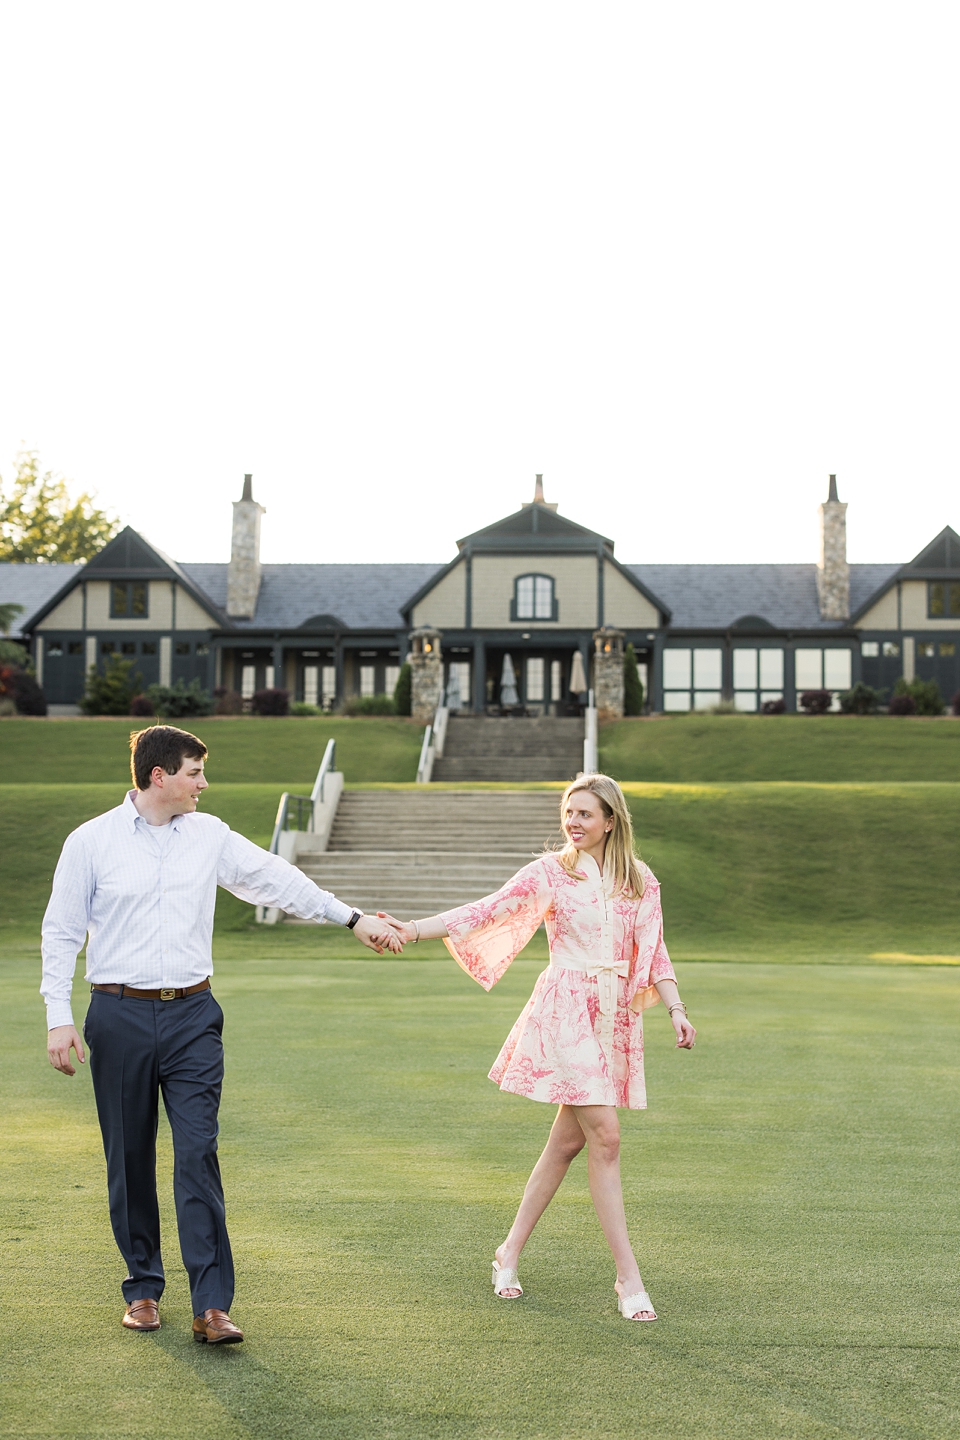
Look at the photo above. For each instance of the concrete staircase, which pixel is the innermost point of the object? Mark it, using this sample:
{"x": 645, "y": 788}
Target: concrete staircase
{"x": 482, "y": 747}
{"x": 415, "y": 853}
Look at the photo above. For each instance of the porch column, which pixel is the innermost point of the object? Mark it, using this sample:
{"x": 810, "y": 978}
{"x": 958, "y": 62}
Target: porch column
{"x": 277, "y": 657}
{"x": 479, "y": 676}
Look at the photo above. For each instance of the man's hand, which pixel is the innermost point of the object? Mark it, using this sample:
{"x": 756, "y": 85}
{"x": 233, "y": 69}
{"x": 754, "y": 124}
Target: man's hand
{"x": 60, "y": 1041}
{"x": 377, "y": 935}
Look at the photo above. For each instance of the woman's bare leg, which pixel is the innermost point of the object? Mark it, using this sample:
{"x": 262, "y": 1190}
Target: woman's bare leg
{"x": 601, "y": 1126}
{"x": 565, "y": 1142}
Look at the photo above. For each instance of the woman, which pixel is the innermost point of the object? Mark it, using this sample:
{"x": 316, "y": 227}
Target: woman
{"x": 579, "y": 1040}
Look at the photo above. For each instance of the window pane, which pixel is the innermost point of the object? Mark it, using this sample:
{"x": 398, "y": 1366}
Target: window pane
{"x": 744, "y": 669}
{"x": 809, "y": 669}
{"x": 391, "y": 675}
{"x": 128, "y": 647}
{"x": 183, "y": 647}
{"x": 535, "y": 678}
{"x": 75, "y": 647}
{"x": 869, "y": 649}
{"x": 745, "y": 700}
{"x": 54, "y": 648}
{"x": 955, "y": 599}
{"x": 525, "y": 597}
{"x": 676, "y": 699}
{"x": 107, "y": 647}
{"x": 836, "y": 669}
{"x": 268, "y": 677}
{"x": 937, "y": 596}
{"x": 248, "y": 681}
{"x": 676, "y": 670}
{"x": 544, "y": 597}
{"x": 119, "y": 601}
{"x": 926, "y": 649}
{"x": 771, "y": 669}
{"x": 310, "y": 676}
{"x": 149, "y": 647}
{"x": 556, "y": 680}
{"x": 890, "y": 647}
{"x": 138, "y": 605}
{"x": 703, "y": 699}
{"x": 329, "y": 684}
{"x": 367, "y": 679}
{"x": 202, "y": 648}
{"x": 708, "y": 669}
{"x": 947, "y": 647}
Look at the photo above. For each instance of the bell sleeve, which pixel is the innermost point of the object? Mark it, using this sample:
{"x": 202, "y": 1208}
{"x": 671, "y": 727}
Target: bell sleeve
{"x": 651, "y": 963}
{"x": 486, "y": 935}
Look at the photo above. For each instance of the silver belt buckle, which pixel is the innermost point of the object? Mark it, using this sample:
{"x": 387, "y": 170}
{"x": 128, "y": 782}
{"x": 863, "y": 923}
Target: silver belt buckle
{"x": 168, "y": 994}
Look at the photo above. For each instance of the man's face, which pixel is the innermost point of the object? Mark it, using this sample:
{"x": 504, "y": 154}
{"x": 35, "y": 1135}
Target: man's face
{"x": 182, "y": 790}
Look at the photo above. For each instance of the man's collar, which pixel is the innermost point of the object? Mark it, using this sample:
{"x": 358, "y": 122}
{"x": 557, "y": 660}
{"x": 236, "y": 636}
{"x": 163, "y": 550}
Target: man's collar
{"x": 131, "y": 814}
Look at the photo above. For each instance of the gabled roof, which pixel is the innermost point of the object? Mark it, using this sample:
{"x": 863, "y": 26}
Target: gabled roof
{"x": 535, "y": 527}
{"x": 940, "y": 560}
{"x": 717, "y": 597}
{"x": 360, "y": 597}
{"x": 32, "y": 583}
{"x": 128, "y": 556}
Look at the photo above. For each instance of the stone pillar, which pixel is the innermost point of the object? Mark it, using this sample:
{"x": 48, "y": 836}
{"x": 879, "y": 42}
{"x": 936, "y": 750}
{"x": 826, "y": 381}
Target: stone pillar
{"x": 608, "y": 672}
{"x": 426, "y": 665}
{"x": 833, "y": 572}
{"x": 243, "y": 572}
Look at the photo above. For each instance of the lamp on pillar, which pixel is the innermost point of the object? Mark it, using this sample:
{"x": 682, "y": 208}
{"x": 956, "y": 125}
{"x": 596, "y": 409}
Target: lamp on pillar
{"x": 608, "y": 672}
{"x": 426, "y": 667}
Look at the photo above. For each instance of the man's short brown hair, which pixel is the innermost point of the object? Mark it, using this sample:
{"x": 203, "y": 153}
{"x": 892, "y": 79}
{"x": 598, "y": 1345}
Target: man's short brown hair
{"x": 162, "y": 745}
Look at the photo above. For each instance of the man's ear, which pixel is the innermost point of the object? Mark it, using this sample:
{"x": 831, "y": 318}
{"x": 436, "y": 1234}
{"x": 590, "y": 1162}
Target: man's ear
{"x": 157, "y": 776}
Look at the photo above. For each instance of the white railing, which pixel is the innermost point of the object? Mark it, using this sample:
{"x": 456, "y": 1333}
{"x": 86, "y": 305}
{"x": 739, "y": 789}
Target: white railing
{"x": 425, "y": 763}
{"x": 327, "y": 766}
{"x": 434, "y": 738}
{"x": 591, "y": 759}
{"x": 304, "y": 822}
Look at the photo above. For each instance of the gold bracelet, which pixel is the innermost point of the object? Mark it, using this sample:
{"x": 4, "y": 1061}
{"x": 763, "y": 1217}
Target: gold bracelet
{"x": 416, "y": 926}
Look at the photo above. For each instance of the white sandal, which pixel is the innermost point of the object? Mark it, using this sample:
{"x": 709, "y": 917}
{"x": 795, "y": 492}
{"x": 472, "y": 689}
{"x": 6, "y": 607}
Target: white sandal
{"x": 630, "y": 1306}
{"x": 505, "y": 1279}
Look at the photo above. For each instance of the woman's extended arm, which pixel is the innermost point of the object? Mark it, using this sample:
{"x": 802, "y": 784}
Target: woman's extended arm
{"x": 410, "y": 931}
{"x": 670, "y": 995}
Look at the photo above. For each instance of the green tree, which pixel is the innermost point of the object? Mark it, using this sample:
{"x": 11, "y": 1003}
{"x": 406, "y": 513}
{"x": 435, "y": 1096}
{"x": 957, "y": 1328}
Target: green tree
{"x": 924, "y": 693}
{"x": 39, "y": 520}
{"x": 8, "y": 613}
{"x": 632, "y": 684}
{"x": 403, "y": 690}
{"x": 111, "y": 692}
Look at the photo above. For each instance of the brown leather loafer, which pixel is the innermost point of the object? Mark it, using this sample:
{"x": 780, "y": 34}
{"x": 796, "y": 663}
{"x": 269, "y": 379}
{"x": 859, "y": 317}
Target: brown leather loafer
{"x": 142, "y": 1315}
{"x": 214, "y": 1327}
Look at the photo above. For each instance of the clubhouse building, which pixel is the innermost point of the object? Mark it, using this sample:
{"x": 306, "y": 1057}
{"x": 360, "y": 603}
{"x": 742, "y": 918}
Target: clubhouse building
{"x": 534, "y": 586}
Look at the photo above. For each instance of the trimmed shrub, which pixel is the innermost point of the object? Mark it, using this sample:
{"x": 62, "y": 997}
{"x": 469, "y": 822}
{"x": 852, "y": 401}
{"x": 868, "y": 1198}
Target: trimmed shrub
{"x": 370, "y": 705}
{"x": 112, "y": 692}
{"x": 300, "y": 707}
{"x": 816, "y": 702}
{"x": 180, "y": 701}
{"x": 142, "y": 706}
{"x": 924, "y": 693}
{"x": 227, "y": 702}
{"x": 403, "y": 690}
{"x": 632, "y": 684}
{"x": 773, "y": 707}
{"x": 270, "y": 702}
{"x": 723, "y": 707}
{"x": 903, "y": 705}
{"x": 861, "y": 700}
{"x": 19, "y": 687}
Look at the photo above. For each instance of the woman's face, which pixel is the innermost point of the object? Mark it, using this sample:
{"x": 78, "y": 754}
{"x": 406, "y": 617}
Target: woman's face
{"x": 584, "y": 823}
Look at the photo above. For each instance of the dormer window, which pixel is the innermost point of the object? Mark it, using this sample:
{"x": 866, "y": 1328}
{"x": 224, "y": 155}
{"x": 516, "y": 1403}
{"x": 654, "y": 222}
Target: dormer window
{"x": 533, "y": 598}
{"x": 943, "y": 599}
{"x": 128, "y": 600}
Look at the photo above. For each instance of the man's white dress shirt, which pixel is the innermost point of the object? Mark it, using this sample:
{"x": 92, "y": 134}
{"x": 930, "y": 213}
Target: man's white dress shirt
{"x": 145, "y": 896}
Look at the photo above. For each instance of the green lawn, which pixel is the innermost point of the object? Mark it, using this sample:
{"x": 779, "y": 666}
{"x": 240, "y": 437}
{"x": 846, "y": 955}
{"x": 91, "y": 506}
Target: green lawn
{"x": 798, "y": 871}
{"x": 283, "y": 751}
{"x": 694, "y": 748}
{"x": 791, "y": 1192}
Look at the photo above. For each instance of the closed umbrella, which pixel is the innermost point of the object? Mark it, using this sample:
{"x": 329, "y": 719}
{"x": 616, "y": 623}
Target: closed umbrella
{"x": 508, "y": 683}
{"x": 454, "y": 696}
{"x": 578, "y": 681}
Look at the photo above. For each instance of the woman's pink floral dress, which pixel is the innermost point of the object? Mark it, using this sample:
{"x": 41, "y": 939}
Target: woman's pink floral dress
{"x": 579, "y": 1039}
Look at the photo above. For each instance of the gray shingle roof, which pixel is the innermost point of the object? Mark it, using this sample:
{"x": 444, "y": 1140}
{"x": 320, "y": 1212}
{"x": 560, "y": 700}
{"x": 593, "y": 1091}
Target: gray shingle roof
{"x": 712, "y": 597}
{"x": 364, "y": 597}
{"x": 31, "y": 585}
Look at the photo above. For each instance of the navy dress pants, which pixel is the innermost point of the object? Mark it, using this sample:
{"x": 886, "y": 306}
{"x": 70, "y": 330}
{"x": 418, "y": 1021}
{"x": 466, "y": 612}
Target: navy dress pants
{"x": 140, "y": 1049}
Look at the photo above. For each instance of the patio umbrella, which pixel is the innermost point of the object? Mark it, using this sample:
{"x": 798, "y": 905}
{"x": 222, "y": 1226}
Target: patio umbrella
{"x": 508, "y": 683}
{"x": 454, "y": 696}
{"x": 578, "y": 681}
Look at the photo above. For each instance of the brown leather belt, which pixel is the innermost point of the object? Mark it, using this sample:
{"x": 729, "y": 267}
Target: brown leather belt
{"x": 167, "y": 993}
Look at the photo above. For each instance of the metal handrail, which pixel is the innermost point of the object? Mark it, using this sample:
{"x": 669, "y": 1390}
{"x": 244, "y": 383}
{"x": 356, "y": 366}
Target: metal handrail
{"x": 424, "y": 755}
{"x": 327, "y": 765}
{"x": 591, "y": 758}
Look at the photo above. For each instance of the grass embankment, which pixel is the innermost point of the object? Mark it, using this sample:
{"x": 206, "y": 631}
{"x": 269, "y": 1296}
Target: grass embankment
{"x": 826, "y": 748}
{"x": 280, "y": 752}
{"x": 791, "y": 1192}
{"x": 799, "y": 871}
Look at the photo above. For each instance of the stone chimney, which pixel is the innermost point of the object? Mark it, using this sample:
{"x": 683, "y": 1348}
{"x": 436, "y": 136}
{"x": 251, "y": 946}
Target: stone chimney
{"x": 833, "y": 572}
{"x": 243, "y": 576}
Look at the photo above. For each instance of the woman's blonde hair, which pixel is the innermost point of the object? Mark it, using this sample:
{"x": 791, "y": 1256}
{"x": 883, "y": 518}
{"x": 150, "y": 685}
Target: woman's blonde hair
{"x": 627, "y": 875}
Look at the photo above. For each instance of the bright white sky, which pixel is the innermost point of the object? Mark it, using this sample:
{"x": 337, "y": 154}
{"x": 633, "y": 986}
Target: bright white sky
{"x": 683, "y": 258}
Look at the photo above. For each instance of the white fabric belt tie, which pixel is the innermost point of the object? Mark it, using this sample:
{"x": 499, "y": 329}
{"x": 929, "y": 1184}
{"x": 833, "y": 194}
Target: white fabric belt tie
{"x": 606, "y": 976}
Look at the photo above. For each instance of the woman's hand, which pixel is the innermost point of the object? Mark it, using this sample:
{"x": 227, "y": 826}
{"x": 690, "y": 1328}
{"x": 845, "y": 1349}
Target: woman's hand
{"x": 410, "y": 931}
{"x": 686, "y": 1035}
{"x": 404, "y": 928}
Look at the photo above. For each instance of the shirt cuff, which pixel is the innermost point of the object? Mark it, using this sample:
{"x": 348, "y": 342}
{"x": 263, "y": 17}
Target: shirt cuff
{"x": 336, "y": 911}
{"x": 59, "y": 1012}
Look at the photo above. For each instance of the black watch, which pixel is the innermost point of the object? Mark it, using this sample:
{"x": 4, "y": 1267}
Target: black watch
{"x": 357, "y": 915}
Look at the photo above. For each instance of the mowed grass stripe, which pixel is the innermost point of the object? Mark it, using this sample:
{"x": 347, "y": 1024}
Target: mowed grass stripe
{"x": 791, "y": 1192}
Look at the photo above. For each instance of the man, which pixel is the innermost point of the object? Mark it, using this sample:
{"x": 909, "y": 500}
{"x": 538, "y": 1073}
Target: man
{"x": 141, "y": 881}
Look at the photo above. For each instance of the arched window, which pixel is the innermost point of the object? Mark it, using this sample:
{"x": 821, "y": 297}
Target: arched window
{"x": 533, "y": 598}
